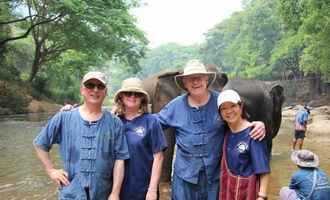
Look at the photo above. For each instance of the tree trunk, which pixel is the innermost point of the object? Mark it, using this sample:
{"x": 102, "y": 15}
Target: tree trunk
{"x": 315, "y": 86}
{"x": 36, "y": 62}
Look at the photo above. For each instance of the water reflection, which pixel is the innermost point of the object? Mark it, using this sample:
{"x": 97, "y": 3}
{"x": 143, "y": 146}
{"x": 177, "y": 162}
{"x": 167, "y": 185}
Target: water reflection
{"x": 32, "y": 117}
{"x": 22, "y": 177}
{"x": 21, "y": 174}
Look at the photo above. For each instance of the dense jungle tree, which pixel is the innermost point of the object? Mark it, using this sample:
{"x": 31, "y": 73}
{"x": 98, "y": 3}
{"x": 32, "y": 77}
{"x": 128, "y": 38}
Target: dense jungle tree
{"x": 308, "y": 22}
{"x": 168, "y": 57}
{"x": 102, "y": 29}
{"x": 243, "y": 43}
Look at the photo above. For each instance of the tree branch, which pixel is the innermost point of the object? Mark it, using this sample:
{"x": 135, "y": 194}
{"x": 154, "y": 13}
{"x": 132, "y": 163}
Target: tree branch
{"x": 3, "y": 42}
{"x": 16, "y": 20}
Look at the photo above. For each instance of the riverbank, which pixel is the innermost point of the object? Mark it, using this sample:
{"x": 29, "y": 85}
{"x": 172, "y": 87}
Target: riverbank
{"x": 17, "y": 98}
{"x": 36, "y": 106}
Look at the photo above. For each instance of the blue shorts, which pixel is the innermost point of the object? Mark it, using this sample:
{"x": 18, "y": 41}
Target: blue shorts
{"x": 299, "y": 134}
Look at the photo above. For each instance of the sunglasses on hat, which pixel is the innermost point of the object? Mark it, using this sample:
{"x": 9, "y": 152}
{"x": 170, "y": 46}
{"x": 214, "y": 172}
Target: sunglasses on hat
{"x": 91, "y": 86}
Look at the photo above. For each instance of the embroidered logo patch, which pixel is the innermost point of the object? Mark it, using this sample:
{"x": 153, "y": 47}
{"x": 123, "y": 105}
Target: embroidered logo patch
{"x": 140, "y": 131}
{"x": 242, "y": 147}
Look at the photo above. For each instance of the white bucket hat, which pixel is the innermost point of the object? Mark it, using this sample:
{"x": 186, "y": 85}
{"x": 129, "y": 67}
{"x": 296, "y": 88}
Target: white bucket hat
{"x": 305, "y": 158}
{"x": 194, "y": 67}
{"x": 228, "y": 96}
{"x": 131, "y": 85}
{"x": 95, "y": 75}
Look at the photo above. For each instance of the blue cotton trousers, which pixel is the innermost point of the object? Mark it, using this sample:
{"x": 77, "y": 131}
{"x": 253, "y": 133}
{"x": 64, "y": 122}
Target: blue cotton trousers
{"x": 183, "y": 190}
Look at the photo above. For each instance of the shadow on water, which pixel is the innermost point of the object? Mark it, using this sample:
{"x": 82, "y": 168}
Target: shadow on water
{"x": 22, "y": 177}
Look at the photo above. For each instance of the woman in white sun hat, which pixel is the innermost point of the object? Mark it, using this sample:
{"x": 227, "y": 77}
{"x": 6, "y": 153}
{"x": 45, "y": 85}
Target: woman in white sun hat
{"x": 309, "y": 182}
{"x": 146, "y": 142}
{"x": 199, "y": 133}
{"x": 245, "y": 162}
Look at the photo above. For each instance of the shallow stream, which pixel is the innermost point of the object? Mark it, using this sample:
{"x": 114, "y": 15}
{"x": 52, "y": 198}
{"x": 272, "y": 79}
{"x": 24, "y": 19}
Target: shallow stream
{"x": 22, "y": 177}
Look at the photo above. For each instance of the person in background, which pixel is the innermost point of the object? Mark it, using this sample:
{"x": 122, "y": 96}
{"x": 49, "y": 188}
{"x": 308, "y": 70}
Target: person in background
{"x": 199, "y": 133}
{"x": 92, "y": 146}
{"x": 300, "y": 127}
{"x": 245, "y": 164}
{"x": 309, "y": 181}
{"x": 146, "y": 142}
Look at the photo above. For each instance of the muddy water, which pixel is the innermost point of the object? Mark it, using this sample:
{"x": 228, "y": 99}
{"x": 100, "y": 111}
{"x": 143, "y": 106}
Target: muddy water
{"x": 22, "y": 178}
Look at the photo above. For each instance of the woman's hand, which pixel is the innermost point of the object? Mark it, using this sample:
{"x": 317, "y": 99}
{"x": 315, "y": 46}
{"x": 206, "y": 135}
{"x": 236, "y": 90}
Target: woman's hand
{"x": 113, "y": 197}
{"x": 151, "y": 195}
{"x": 67, "y": 107}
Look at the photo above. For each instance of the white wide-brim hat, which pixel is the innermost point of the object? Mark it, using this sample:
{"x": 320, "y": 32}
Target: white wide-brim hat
{"x": 305, "y": 158}
{"x": 131, "y": 85}
{"x": 228, "y": 96}
{"x": 194, "y": 67}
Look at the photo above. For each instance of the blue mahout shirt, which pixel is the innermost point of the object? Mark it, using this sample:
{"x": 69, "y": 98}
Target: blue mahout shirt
{"x": 88, "y": 151}
{"x": 199, "y": 133}
{"x": 246, "y": 156}
{"x": 301, "y": 119}
{"x": 302, "y": 183}
{"x": 145, "y": 137}
{"x": 302, "y": 116}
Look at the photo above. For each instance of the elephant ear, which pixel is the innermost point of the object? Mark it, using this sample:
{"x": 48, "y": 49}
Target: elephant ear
{"x": 277, "y": 91}
{"x": 221, "y": 80}
{"x": 278, "y": 98}
{"x": 165, "y": 90}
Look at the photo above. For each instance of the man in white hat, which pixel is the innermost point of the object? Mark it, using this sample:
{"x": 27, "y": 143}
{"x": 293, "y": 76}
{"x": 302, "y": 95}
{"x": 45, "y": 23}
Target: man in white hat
{"x": 91, "y": 144}
{"x": 309, "y": 182}
{"x": 199, "y": 135}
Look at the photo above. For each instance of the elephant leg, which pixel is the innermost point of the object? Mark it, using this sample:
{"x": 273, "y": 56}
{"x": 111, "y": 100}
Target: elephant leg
{"x": 269, "y": 147}
{"x": 167, "y": 164}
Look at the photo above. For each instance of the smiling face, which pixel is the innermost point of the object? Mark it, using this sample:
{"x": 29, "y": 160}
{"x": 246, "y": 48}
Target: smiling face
{"x": 231, "y": 112}
{"x": 93, "y": 91}
{"x": 131, "y": 100}
{"x": 196, "y": 84}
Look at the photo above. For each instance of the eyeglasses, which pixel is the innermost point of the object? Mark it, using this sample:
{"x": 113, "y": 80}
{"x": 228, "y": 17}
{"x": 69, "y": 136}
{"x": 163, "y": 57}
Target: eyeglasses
{"x": 91, "y": 86}
{"x": 129, "y": 94}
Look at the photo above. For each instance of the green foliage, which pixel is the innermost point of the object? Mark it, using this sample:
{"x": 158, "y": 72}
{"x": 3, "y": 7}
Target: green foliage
{"x": 316, "y": 25}
{"x": 167, "y": 57}
{"x": 269, "y": 38}
{"x": 101, "y": 29}
{"x": 243, "y": 44}
{"x": 67, "y": 38}
{"x": 308, "y": 20}
{"x": 60, "y": 81}
{"x": 292, "y": 12}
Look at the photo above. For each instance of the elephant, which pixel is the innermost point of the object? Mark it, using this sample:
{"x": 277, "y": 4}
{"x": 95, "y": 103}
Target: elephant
{"x": 263, "y": 103}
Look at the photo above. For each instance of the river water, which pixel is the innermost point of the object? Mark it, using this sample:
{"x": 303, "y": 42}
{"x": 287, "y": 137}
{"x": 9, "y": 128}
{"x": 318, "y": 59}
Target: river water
{"x": 22, "y": 177}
